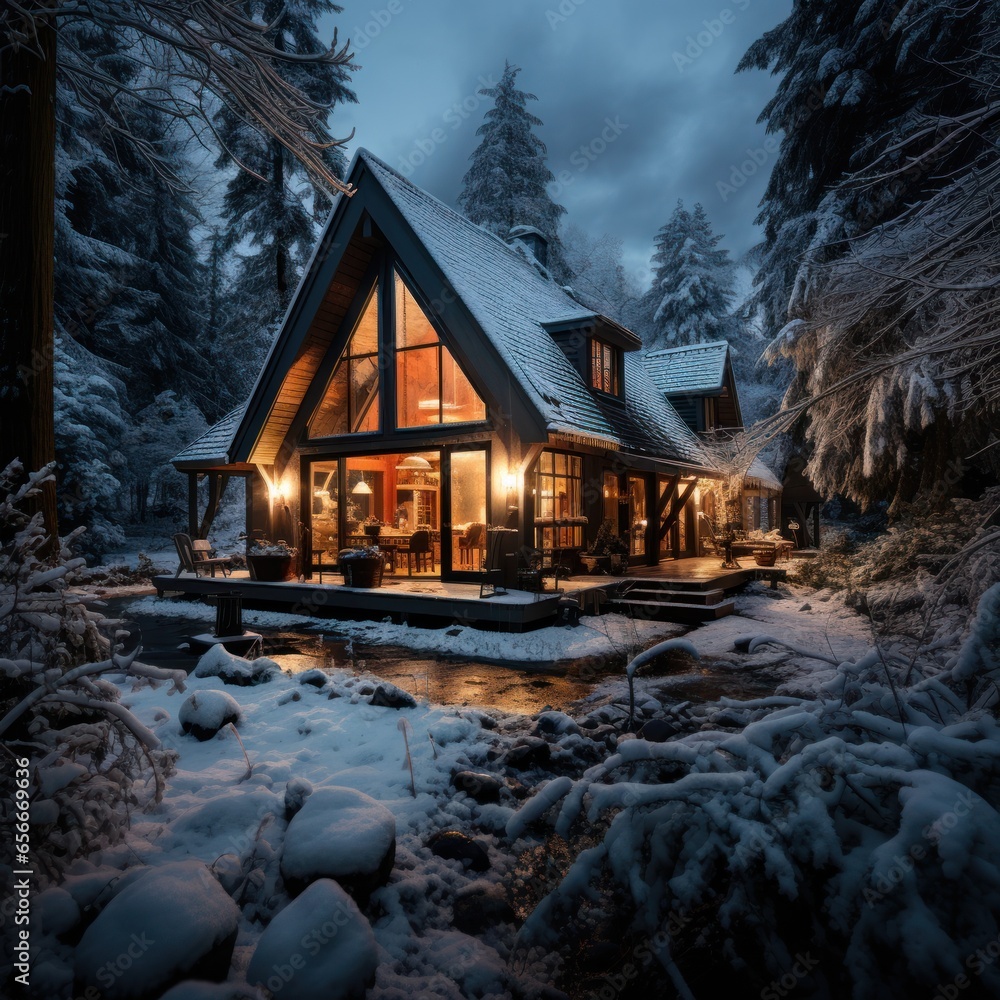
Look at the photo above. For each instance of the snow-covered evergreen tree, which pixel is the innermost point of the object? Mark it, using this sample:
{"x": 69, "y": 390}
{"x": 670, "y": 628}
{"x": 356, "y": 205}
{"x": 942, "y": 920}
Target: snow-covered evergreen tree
{"x": 272, "y": 205}
{"x": 599, "y": 279}
{"x": 692, "y": 295}
{"x": 91, "y": 422}
{"x": 162, "y": 429}
{"x": 874, "y": 228}
{"x": 506, "y": 184}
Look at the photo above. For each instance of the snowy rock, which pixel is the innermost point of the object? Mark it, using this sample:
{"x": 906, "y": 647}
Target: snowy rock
{"x": 657, "y": 731}
{"x": 320, "y": 945}
{"x": 389, "y": 696}
{"x": 478, "y": 785}
{"x": 605, "y": 734}
{"x": 455, "y": 846}
{"x": 172, "y": 922}
{"x": 296, "y": 792}
{"x": 232, "y": 669}
{"x": 55, "y": 910}
{"x": 43, "y": 812}
{"x": 477, "y": 968}
{"x": 206, "y": 712}
{"x": 228, "y": 869}
{"x": 479, "y": 906}
{"x": 343, "y": 834}
{"x": 314, "y": 677}
{"x": 555, "y": 724}
{"x": 529, "y": 751}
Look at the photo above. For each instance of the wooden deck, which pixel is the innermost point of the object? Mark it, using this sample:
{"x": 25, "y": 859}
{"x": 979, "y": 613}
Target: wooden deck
{"x": 417, "y": 601}
{"x": 431, "y": 602}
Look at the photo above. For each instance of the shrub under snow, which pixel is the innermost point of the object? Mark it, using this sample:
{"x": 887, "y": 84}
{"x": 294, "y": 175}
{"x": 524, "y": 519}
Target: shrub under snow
{"x": 58, "y": 708}
{"x": 857, "y": 828}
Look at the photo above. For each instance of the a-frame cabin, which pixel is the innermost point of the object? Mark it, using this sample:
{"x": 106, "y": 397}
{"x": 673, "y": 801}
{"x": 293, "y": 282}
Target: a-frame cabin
{"x": 434, "y": 378}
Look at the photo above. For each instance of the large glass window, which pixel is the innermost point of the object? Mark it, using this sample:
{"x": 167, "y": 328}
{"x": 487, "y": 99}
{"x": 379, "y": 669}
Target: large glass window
{"x": 468, "y": 509}
{"x": 559, "y": 518}
{"x": 325, "y": 506}
{"x": 637, "y": 515}
{"x": 430, "y": 386}
{"x": 604, "y": 367}
{"x": 351, "y": 402}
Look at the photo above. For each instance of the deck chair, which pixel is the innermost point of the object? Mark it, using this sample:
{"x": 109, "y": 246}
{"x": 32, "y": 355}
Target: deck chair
{"x": 196, "y": 555}
{"x": 492, "y": 582}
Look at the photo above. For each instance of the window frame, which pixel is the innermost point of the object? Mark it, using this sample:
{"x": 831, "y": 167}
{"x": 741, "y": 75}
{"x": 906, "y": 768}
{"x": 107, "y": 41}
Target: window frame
{"x": 601, "y": 352}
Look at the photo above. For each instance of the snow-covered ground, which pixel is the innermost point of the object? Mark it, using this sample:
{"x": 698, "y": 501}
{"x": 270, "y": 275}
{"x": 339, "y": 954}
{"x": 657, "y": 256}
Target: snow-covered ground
{"x": 226, "y": 803}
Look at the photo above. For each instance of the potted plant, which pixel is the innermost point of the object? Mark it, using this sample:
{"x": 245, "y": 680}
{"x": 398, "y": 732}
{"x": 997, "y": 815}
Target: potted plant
{"x": 362, "y": 567}
{"x": 372, "y": 527}
{"x": 608, "y": 553}
{"x": 269, "y": 562}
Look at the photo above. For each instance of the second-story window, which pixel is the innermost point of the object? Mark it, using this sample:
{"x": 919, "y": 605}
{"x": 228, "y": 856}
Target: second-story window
{"x": 604, "y": 367}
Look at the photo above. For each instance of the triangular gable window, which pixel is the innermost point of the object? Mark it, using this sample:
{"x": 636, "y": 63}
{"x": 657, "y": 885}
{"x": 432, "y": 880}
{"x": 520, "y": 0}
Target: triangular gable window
{"x": 431, "y": 388}
{"x": 351, "y": 401}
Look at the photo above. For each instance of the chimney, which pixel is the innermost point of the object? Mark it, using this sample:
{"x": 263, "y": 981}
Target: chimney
{"x": 532, "y": 240}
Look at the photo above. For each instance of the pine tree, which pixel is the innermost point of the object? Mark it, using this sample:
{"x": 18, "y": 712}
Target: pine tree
{"x": 506, "y": 184}
{"x": 218, "y": 51}
{"x": 882, "y": 109}
{"x": 692, "y": 295}
{"x": 599, "y": 279}
{"x": 273, "y": 205}
{"x": 91, "y": 423}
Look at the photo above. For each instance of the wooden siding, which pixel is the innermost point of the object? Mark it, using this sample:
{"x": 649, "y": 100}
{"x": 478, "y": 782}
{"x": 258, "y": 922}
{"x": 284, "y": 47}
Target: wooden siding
{"x": 318, "y": 341}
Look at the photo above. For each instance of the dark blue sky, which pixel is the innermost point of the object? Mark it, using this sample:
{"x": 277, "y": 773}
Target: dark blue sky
{"x": 639, "y": 101}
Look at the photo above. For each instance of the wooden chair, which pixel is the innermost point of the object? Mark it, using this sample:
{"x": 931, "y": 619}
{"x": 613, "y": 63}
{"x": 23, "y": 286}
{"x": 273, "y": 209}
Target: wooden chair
{"x": 492, "y": 582}
{"x": 474, "y": 540}
{"x": 531, "y": 571}
{"x": 419, "y": 550}
{"x": 196, "y": 555}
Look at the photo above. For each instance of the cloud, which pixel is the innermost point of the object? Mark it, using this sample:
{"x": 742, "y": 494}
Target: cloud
{"x": 663, "y": 74}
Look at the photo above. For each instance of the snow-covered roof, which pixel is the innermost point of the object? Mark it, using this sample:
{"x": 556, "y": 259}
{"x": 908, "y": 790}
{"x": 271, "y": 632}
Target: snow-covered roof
{"x": 512, "y": 303}
{"x": 761, "y": 477}
{"x": 698, "y": 368}
{"x": 515, "y": 306}
{"x": 213, "y": 446}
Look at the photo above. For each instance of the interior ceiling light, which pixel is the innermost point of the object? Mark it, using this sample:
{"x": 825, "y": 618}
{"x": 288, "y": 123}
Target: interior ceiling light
{"x": 415, "y": 463}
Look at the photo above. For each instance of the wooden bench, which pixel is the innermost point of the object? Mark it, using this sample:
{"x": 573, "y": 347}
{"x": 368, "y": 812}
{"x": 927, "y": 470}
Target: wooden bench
{"x": 196, "y": 555}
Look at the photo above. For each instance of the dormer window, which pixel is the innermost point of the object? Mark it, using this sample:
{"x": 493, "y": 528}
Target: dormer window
{"x": 605, "y": 365}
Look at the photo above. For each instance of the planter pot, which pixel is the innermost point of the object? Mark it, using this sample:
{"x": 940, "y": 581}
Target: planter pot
{"x": 365, "y": 572}
{"x": 373, "y": 530}
{"x": 765, "y": 555}
{"x": 596, "y": 564}
{"x": 269, "y": 569}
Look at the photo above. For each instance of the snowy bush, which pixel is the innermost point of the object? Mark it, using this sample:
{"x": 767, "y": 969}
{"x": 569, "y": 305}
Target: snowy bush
{"x": 856, "y": 828}
{"x": 58, "y": 708}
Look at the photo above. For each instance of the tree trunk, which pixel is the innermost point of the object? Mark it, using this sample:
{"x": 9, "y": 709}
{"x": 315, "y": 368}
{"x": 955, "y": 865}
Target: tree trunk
{"x": 27, "y": 235}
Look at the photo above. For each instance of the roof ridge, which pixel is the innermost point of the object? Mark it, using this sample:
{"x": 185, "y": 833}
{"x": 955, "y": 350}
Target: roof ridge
{"x": 688, "y": 347}
{"x": 368, "y": 155}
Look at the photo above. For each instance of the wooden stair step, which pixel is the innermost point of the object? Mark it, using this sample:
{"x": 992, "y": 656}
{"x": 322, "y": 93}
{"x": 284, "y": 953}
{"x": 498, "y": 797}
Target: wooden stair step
{"x": 707, "y": 597}
{"x": 670, "y": 611}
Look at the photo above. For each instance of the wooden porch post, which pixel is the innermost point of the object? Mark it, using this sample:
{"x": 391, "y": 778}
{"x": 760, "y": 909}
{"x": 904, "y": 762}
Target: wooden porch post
{"x": 193, "y": 504}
